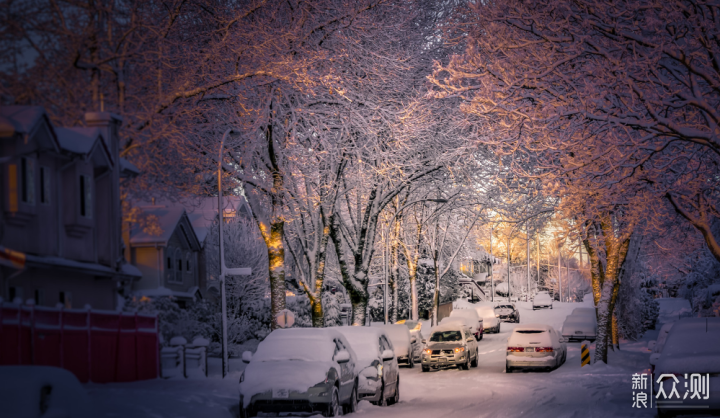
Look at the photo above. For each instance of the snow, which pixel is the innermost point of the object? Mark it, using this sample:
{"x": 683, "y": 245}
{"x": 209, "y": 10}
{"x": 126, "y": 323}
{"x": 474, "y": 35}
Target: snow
{"x": 585, "y": 324}
{"x": 529, "y": 335}
{"x": 593, "y": 391}
{"x": 294, "y": 359}
{"x": 671, "y": 309}
{"x": 399, "y": 337}
{"x": 21, "y": 388}
{"x": 542, "y": 299}
{"x": 364, "y": 341}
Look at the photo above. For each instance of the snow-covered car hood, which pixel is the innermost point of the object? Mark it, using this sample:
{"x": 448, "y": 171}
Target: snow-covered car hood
{"x": 504, "y": 311}
{"x": 262, "y": 376}
{"x": 490, "y": 322}
{"x": 586, "y": 327}
{"x": 708, "y": 363}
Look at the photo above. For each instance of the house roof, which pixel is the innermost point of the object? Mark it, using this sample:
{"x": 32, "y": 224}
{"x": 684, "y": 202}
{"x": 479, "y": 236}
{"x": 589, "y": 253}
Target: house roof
{"x": 168, "y": 218}
{"x": 22, "y": 118}
{"x": 77, "y": 140}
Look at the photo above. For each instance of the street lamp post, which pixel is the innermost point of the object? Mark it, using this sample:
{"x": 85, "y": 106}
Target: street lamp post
{"x": 224, "y": 270}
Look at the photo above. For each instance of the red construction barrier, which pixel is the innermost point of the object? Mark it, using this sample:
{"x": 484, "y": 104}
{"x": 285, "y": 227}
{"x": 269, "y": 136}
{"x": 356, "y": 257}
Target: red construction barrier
{"x": 98, "y": 346}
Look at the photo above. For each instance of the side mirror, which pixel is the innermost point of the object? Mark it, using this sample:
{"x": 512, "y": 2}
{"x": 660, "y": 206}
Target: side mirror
{"x": 342, "y": 357}
{"x": 246, "y": 357}
{"x": 413, "y": 340}
{"x": 651, "y": 345}
{"x": 424, "y": 341}
{"x": 388, "y": 355}
{"x": 654, "y": 358}
{"x": 563, "y": 340}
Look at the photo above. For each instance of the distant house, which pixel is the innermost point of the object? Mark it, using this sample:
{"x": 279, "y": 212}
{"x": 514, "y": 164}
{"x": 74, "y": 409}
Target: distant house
{"x": 174, "y": 263}
{"x": 60, "y": 237}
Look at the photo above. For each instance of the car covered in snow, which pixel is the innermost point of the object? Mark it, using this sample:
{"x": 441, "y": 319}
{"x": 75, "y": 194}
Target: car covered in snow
{"x": 491, "y": 323}
{"x": 507, "y": 312}
{"x": 405, "y": 345}
{"x": 307, "y": 370}
{"x": 42, "y": 391}
{"x": 471, "y": 317}
{"x": 584, "y": 312}
{"x": 690, "y": 357}
{"x": 579, "y": 327}
{"x": 656, "y": 346}
{"x": 450, "y": 345}
{"x": 415, "y": 328}
{"x": 535, "y": 346}
{"x": 376, "y": 367}
{"x": 542, "y": 301}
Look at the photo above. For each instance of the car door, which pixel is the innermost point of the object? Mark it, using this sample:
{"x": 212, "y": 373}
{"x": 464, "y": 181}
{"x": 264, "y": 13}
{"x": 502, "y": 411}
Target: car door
{"x": 472, "y": 346}
{"x": 390, "y": 367}
{"x": 347, "y": 376}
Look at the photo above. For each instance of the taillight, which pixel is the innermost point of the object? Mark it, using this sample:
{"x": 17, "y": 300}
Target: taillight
{"x": 544, "y": 349}
{"x": 516, "y": 349}
{"x": 459, "y": 349}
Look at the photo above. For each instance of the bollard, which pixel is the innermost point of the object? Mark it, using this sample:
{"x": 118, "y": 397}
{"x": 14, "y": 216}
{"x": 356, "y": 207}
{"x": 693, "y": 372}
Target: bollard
{"x": 584, "y": 354}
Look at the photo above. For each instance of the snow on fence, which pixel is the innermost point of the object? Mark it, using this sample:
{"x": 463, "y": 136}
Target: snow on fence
{"x": 97, "y": 346}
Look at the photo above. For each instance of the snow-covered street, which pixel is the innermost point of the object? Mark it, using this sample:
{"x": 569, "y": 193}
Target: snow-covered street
{"x": 485, "y": 391}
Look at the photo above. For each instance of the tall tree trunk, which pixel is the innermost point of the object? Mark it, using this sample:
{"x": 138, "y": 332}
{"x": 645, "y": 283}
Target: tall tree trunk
{"x": 276, "y": 261}
{"x": 395, "y": 271}
{"x": 615, "y": 332}
{"x": 356, "y": 291}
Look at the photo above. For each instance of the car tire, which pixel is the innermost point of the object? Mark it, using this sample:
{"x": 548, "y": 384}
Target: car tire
{"x": 396, "y": 397}
{"x": 334, "y": 408}
{"x": 383, "y": 400}
{"x": 352, "y": 405}
{"x": 425, "y": 368}
{"x": 508, "y": 369}
{"x": 474, "y": 363}
{"x": 411, "y": 362}
{"x": 245, "y": 412}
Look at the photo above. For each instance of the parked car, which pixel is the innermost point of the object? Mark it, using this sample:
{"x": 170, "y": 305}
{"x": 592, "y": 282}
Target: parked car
{"x": 376, "y": 367}
{"x": 656, "y": 346}
{"x": 542, "y": 301}
{"x": 535, "y": 346}
{"x": 692, "y": 347}
{"x": 404, "y": 345}
{"x": 450, "y": 345}
{"x": 584, "y": 312}
{"x": 472, "y": 318}
{"x": 507, "y": 312}
{"x": 579, "y": 327}
{"x": 415, "y": 328}
{"x": 35, "y": 391}
{"x": 491, "y": 323}
{"x": 307, "y": 370}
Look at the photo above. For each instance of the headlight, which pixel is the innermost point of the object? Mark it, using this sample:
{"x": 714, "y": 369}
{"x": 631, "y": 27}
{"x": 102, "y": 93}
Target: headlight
{"x": 497, "y": 315}
{"x": 428, "y": 351}
{"x": 242, "y": 377}
{"x": 459, "y": 349}
{"x": 379, "y": 368}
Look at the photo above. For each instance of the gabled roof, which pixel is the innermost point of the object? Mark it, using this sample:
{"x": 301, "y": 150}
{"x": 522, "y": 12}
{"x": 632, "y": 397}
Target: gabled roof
{"x": 27, "y": 121}
{"x": 169, "y": 218}
{"x": 83, "y": 141}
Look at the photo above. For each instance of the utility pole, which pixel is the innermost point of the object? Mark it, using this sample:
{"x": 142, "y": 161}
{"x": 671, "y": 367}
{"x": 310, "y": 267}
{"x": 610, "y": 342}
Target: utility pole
{"x": 492, "y": 262}
{"x": 385, "y": 267}
{"x": 224, "y": 271}
{"x": 560, "y": 299}
{"x": 508, "y": 262}
{"x": 537, "y": 238}
{"x": 527, "y": 229}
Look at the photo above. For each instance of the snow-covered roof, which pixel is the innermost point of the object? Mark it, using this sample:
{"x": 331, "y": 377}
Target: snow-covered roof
{"x": 167, "y": 218}
{"x": 22, "y": 118}
{"x": 60, "y": 263}
{"x": 128, "y": 169}
{"x": 365, "y": 342}
{"x": 77, "y": 140}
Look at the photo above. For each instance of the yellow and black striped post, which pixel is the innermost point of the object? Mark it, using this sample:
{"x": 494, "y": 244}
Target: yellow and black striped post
{"x": 584, "y": 354}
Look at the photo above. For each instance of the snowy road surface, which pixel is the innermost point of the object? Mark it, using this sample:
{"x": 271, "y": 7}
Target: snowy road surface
{"x": 485, "y": 391}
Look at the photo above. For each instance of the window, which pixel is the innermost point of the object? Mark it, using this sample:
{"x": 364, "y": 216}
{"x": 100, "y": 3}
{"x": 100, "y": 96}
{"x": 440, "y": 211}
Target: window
{"x": 188, "y": 262}
{"x": 86, "y": 196}
{"x": 44, "y": 185}
{"x": 15, "y": 293}
{"x": 27, "y": 181}
{"x": 39, "y": 297}
{"x": 169, "y": 259}
{"x": 175, "y": 265}
{"x": 66, "y": 299}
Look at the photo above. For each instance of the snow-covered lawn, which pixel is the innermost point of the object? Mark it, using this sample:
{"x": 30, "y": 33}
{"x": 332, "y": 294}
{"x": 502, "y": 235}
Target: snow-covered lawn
{"x": 485, "y": 391}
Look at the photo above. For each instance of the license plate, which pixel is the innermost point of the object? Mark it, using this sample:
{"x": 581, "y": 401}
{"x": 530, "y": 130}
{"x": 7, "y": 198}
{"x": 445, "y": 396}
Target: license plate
{"x": 281, "y": 393}
{"x": 530, "y": 349}
{"x": 442, "y": 360}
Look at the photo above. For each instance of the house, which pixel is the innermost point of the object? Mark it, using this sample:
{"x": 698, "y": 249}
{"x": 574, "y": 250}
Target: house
{"x": 60, "y": 215}
{"x": 173, "y": 263}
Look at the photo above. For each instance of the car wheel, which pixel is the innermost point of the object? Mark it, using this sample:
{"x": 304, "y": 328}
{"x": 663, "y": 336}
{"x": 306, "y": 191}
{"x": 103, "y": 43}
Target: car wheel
{"x": 396, "y": 398}
{"x": 474, "y": 363}
{"x": 508, "y": 369}
{"x": 425, "y": 368}
{"x": 334, "y": 408}
{"x": 352, "y": 405}
{"x": 411, "y": 362}
{"x": 382, "y": 401}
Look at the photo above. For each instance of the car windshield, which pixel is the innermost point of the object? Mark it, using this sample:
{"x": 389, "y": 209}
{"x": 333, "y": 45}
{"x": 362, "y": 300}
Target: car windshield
{"x": 444, "y": 336}
{"x": 504, "y": 307}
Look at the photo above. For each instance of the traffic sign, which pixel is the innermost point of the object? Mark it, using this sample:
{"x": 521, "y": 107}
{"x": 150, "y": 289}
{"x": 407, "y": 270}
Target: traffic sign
{"x": 285, "y": 318}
